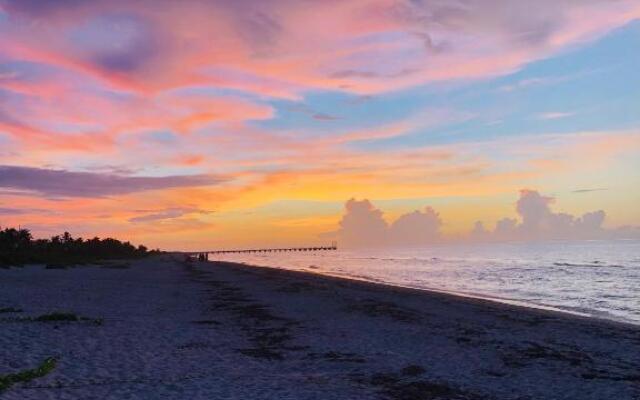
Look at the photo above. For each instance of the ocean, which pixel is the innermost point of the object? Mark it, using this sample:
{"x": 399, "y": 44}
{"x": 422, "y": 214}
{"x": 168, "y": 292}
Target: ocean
{"x": 599, "y": 278}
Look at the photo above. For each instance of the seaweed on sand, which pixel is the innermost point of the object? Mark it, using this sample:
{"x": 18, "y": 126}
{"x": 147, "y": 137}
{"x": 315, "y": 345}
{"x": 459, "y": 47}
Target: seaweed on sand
{"x": 10, "y": 310}
{"x": 55, "y": 317}
{"x": 6, "y": 381}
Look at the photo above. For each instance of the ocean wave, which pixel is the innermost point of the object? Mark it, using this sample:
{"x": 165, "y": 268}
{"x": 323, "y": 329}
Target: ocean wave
{"x": 593, "y": 279}
{"x": 587, "y": 265}
{"x": 400, "y": 259}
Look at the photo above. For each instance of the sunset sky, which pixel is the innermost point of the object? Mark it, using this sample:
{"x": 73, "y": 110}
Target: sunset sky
{"x": 205, "y": 124}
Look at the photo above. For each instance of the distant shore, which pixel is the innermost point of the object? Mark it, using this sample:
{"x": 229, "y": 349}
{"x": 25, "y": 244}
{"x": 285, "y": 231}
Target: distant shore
{"x": 161, "y": 328}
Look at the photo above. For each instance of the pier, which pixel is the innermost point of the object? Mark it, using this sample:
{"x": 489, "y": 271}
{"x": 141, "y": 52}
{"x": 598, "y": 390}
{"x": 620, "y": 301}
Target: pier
{"x": 333, "y": 246}
{"x": 204, "y": 255}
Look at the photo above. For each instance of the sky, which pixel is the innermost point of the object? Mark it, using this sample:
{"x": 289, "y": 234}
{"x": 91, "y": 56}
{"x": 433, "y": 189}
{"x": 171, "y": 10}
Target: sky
{"x": 205, "y": 124}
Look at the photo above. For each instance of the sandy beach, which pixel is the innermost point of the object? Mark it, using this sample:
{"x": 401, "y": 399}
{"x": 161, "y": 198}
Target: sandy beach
{"x": 159, "y": 328}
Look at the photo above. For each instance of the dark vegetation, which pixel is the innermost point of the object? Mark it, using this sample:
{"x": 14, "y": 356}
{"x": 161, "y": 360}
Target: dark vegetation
{"x": 55, "y": 317}
{"x": 6, "y": 381}
{"x": 65, "y": 317}
{"x": 10, "y": 310}
{"x": 18, "y": 247}
{"x": 375, "y": 308}
{"x": 410, "y": 385}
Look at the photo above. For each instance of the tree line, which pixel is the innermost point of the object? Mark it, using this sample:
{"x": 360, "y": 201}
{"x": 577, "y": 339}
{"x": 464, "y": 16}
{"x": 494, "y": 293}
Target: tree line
{"x": 18, "y": 247}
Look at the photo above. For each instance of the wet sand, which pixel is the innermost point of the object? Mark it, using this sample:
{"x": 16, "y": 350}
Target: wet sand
{"x": 213, "y": 330}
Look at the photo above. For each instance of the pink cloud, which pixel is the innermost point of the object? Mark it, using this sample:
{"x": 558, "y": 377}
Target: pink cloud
{"x": 538, "y": 221}
{"x": 363, "y": 225}
{"x": 116, "y": 68}
{"x": 281, "y": 47}
{"x": 555, "y": 115}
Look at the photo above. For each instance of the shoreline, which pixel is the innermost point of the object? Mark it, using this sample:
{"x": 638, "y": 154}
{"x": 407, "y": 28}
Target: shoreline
{"x": 162, "y": 328}
{"x": 516, "y": 304}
